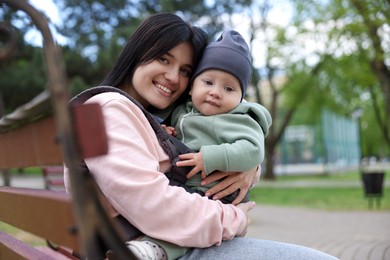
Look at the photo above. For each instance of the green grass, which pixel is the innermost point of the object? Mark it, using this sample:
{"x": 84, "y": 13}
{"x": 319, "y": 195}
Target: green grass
{"x": 26, "y": 171}
{"x": 320, "y": 198}
{"x": 328, "y": 198}
{"x": 21, "y": 235}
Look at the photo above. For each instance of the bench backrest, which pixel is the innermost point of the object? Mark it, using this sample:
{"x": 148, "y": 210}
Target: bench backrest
{"x": 47, "y": 214}
{"x": 31, "y": 145}
{"x": 44, "y": 213}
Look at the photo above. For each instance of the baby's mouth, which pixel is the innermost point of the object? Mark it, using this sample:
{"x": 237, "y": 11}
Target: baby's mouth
{"x": 212, "y": 103}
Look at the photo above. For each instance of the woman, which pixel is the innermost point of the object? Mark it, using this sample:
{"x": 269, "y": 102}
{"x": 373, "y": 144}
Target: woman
{"x": 154, "y": 68}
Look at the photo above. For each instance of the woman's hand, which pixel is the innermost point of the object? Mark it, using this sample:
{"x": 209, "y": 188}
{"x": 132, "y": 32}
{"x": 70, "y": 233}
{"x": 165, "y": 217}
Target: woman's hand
{"x": 229, "y": 183}
{"x": 246, "y": 207}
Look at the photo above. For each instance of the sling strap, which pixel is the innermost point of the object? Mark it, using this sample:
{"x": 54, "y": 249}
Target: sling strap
{"x": 171, "y": 145}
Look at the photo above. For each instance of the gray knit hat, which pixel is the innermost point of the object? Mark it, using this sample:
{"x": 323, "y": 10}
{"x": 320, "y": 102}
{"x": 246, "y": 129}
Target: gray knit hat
{"x": 229, "y": 53}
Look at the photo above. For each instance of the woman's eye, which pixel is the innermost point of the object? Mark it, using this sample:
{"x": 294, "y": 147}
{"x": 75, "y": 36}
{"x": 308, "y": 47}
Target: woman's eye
{"x": 164, "y": 60}
{"x": 185, "y": 72}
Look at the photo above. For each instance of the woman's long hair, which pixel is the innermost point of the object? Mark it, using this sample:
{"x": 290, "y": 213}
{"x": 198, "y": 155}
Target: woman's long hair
{"x": 154, "y": 37}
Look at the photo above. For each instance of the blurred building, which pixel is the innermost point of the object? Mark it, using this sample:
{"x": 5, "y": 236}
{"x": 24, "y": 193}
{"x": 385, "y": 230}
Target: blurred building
{"x": 332, "y": 145}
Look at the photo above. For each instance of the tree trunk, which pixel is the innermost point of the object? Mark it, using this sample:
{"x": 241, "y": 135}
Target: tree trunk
{"x": 378, "y": 64}
{"x": 269, "y": 162}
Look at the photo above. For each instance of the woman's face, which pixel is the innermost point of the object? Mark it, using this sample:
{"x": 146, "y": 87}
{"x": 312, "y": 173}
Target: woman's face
{"x": 160, "y": 82}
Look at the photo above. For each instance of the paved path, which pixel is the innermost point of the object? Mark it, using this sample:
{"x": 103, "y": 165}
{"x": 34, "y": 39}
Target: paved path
{"x": 358, "y": 235}
{"x": 362, "y": 235}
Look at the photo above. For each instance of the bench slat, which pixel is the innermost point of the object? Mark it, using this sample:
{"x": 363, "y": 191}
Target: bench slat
{"x": 11, "y": 248}
{"x": 35, "y": 144}
{"x": 30, "y": 145}
{"x": 49, "y": 214}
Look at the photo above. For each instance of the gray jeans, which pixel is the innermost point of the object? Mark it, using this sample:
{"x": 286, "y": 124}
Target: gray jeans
{"x": 244, "y": 248}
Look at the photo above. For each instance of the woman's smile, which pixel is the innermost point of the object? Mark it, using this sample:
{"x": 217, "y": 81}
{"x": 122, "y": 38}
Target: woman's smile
{"x": 166, "y": 91}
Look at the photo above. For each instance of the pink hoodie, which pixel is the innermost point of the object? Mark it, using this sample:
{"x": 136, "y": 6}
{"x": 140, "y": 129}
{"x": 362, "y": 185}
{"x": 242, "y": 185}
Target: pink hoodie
{"x": 131, "y": 177}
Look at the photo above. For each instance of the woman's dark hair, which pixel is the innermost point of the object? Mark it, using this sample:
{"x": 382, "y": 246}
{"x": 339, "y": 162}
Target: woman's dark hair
{"x": 154, "y": 37}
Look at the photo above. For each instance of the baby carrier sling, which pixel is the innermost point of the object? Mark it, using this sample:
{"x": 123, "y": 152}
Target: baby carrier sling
{"x": 170, "y": 144}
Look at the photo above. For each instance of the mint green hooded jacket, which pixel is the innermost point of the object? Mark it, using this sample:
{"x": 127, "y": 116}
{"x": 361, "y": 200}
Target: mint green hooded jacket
{"x": 231, "y": 142}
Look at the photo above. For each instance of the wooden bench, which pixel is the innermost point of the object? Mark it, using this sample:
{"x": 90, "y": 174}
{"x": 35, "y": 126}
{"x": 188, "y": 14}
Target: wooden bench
{"x": 46, "y": 131}
{"x": 47, "y": 214}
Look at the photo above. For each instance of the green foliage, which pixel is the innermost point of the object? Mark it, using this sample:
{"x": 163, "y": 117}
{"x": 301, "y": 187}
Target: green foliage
{"x": 89, "y": 24}
{"x": 97, "y": 26}
{"x": 372, "y": 139}
{"x": 22, "y": 77}
{"x": 354, "y": 40}
{"x": 337, "y": 75}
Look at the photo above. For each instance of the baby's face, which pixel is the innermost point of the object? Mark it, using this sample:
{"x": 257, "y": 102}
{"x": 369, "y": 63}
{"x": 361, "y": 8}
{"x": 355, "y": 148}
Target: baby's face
{"x": 215, "y": 92}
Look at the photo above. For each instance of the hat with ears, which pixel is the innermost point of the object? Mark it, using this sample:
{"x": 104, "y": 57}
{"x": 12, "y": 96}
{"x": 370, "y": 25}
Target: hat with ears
{"x": 229, "y": 53}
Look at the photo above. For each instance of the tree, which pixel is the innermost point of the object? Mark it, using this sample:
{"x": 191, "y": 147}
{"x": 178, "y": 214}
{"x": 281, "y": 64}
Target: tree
{"x": 376, "y": 15}
{"x": 94, "y": 27}
{"x": 24, "y": 63}
{"x": 355, "y": 31}
{"x": 329, "y": 76}
{"x": 22, "y": 77}
{"x": 288, "y": 79}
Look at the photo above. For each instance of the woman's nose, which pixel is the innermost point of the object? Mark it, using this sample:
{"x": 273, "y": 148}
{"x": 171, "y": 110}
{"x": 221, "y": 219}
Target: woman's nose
{"x": 172, "y": 75}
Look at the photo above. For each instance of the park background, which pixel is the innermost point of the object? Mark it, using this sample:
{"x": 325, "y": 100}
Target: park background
{"x": 320, "y": 67}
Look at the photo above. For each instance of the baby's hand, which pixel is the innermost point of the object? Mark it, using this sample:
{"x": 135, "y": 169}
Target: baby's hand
{"x": 169, "y": 130}
{"x": 195, "y": 160}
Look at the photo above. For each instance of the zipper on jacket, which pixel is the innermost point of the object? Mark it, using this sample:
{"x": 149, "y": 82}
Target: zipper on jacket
{"x": 191, "y": 113}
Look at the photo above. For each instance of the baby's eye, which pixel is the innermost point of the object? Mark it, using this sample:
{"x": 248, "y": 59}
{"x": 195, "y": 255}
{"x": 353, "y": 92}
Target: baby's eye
{"x": 208, "y": 82}
{"x": 229, "y": 89}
